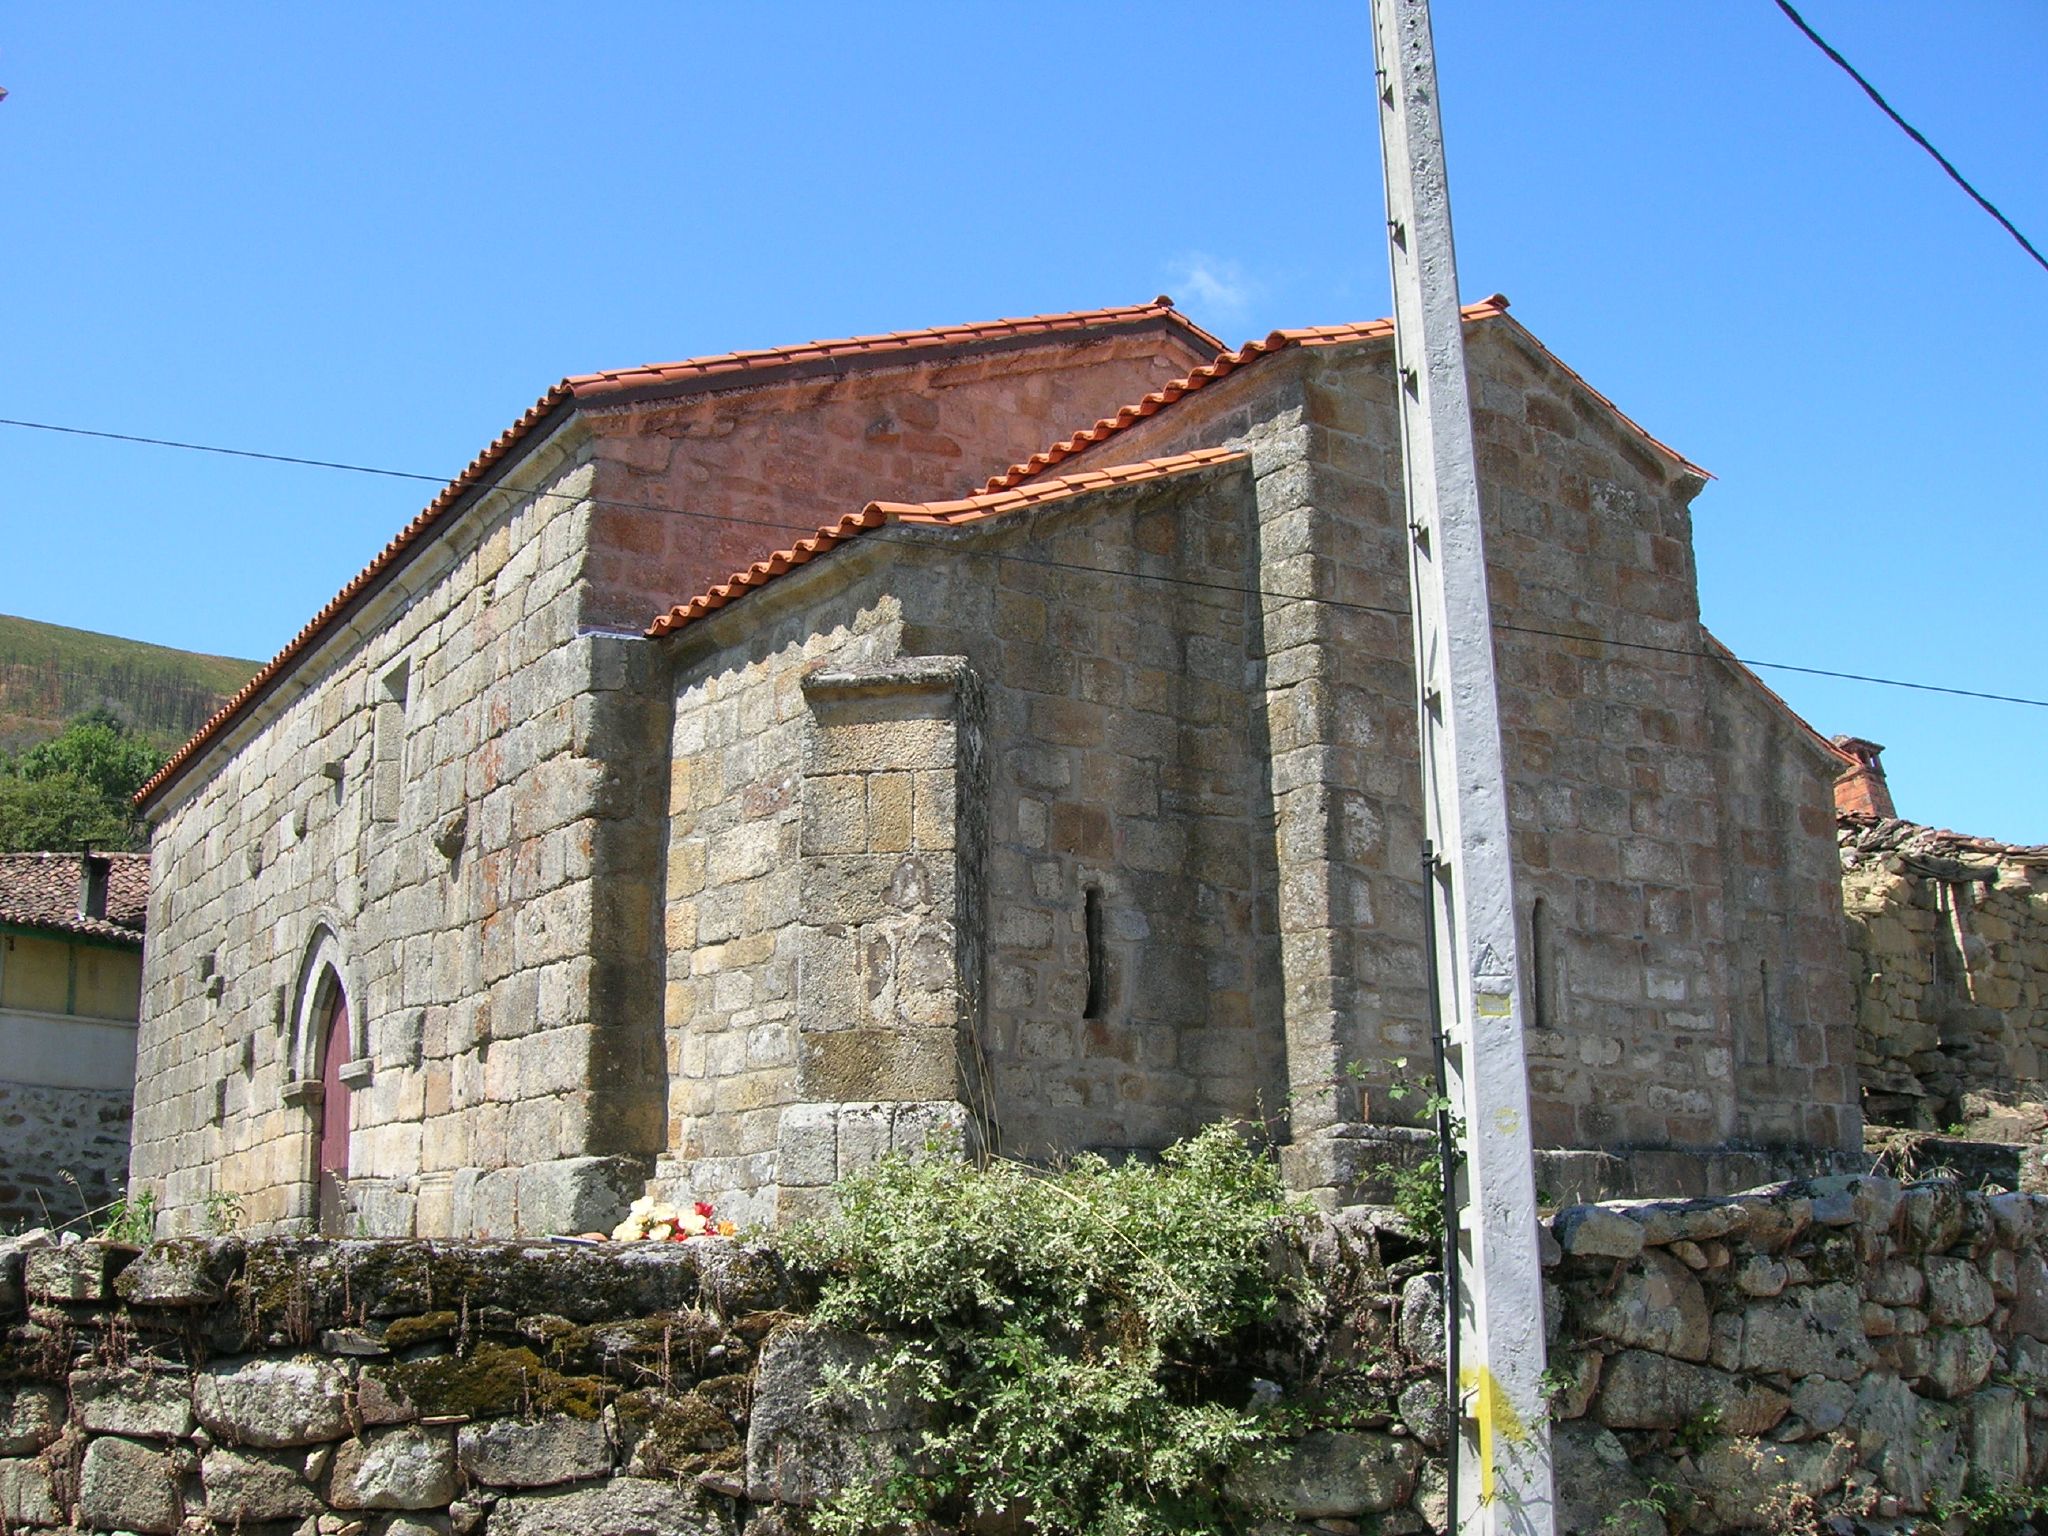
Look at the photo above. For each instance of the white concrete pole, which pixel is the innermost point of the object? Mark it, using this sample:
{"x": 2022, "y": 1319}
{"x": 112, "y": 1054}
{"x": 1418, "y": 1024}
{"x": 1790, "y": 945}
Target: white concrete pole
{"x": 1504, "y": 1465}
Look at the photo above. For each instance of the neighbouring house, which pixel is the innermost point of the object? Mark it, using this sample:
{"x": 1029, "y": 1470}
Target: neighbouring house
{"x": 1038, "y": 798}
{"x": 70, "y": 987}
{"x": 1948, "y": 955}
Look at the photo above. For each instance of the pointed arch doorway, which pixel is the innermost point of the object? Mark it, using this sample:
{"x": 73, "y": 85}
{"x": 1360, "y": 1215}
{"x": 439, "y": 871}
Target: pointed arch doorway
{"x": 332, "y": 1162}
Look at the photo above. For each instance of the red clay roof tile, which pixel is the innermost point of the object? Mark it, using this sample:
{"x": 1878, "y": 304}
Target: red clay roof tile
{"x": 40, "y": 890}
{"x": 722, "y": 370}
{"x": 928, "y": 514}
{"x": 1228, "y": 362}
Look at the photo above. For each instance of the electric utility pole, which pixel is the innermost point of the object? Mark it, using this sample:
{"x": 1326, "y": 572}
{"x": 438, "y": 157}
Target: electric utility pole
{"x": 1502, "y": 1477}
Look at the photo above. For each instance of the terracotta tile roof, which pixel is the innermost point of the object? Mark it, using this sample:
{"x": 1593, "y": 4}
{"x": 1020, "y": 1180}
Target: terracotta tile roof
{"x": 941, "y": 514}
{"x": 1227, "y": 363}
{"x": 726, "y": 370}
{"x": 831, "y": 355}
{"x": 40, "y": 890}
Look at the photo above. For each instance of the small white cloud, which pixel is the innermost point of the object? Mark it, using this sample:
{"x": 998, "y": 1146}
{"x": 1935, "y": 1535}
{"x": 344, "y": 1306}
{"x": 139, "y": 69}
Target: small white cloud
{"x": 1213, "y": 285}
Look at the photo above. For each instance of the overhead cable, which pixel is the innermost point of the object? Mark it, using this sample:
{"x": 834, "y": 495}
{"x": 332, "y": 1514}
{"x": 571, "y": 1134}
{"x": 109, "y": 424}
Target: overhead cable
{"x": 784, "y": 527}
{"x": 1913, "y": 133}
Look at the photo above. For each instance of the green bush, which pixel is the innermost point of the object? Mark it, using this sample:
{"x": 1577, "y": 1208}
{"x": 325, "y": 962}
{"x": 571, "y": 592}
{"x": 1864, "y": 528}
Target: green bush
{"x": 1080, "y": 1336}
{"x": 75, "y": 788}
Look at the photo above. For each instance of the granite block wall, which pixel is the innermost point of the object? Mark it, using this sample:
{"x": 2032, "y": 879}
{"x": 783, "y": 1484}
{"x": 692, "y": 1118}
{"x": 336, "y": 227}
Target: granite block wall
{"x": 966, "y": 842}
{"x": 1641, "y": 772}
{"x": 433, "y": 807}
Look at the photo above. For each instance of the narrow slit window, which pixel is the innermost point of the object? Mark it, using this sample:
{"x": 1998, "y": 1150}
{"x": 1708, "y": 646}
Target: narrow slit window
{"x": 1098, "y": 961}
{"x": 1539, "y": 966}
{"x": 1763, "y": 1010}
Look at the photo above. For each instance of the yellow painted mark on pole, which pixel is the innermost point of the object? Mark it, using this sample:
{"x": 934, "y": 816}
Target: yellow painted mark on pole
{"x": 1496, "y": 1005}
{"x": 1497, "y": 1420}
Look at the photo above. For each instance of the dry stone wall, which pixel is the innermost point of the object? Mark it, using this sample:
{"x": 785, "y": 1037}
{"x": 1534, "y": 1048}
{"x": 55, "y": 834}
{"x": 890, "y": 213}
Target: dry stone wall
{"x": 1948, "y": 943}
{"x": 1844, "y": 1347}
{"x": 66, "y": 1150}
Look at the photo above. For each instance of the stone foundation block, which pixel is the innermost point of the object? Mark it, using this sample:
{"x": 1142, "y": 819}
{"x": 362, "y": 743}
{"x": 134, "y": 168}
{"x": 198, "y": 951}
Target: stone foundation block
{"x": 570, "y": 1195}
{"x": 26, "y": 1497}
{"x": 125, "y": 1485}
{"x": 31, "y": 1416}
{"x": 80, "y": 1272}
{"x": 247, "y": 1486}
{"x": 412, "y": 1467}
{"x": 818, "y": 1144}
{"x": 1640, "y": 1390}
{"x": 1333, "y": 1475}
{"x": 510, "y": 1454}
{"x": 272, "y": 1403}
{"x": 625, "y": 1506}
{"x": 185, "y": 1273}
{"x": 802, "y": 1448}
{"x": 124, "y": 1402}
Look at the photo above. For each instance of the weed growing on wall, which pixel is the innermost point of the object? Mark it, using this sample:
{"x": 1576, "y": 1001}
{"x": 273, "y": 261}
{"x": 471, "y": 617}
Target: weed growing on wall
{"x": 1079, "y": 1336}
{"x": 131, "y": 1219}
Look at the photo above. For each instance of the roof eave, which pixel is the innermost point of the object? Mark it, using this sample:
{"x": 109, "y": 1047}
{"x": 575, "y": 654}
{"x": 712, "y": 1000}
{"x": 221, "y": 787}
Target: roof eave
{"x": 549, "y": 414}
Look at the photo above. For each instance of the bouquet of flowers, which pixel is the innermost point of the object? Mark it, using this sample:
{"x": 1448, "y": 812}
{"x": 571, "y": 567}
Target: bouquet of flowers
{"x": 652, "y": 1221}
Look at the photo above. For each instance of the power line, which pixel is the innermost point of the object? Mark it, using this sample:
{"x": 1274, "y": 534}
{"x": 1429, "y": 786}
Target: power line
{"x": 1194, "y": 582}
{"x": 232, "y": 453}
{"x": 1913, "y": 133}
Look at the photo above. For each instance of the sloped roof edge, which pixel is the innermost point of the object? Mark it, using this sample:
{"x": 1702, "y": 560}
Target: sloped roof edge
{"x": 941, "y": 514}
{"x": 1227, "y": 362}
{"x": 725, "y": 370}
{"x": 1843, "y": 761}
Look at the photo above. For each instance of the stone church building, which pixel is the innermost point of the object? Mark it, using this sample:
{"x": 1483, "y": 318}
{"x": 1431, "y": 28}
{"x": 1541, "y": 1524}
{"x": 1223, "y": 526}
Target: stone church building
{"x": 739, "y": 771}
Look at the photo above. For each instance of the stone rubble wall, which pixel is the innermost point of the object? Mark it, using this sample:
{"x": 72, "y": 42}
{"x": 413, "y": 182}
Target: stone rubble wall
{"x": 399, "y": 1388}
{"x": 1845, "y": 1346}
{"x": 1849, "y": 1345}
{"x": 1948, "y": 945}
{"x": 47, "y": 1133}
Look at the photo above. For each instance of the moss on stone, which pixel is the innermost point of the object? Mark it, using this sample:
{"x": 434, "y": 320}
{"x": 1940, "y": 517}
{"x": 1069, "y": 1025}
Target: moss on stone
{"x": 493, "y": 1380}
{"x": 674, "y": 1343}
{"x": 405, "y": 1332}
{"x": 676, "y": 1436}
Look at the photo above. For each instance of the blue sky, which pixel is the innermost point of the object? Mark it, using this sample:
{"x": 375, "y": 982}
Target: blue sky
{"x": 375, "y": 233}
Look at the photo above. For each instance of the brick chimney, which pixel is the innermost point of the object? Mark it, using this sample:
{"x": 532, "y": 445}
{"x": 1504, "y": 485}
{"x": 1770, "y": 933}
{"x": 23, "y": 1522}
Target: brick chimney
{"x": 92, "y": 883}
{"x": 1861, "y": 790}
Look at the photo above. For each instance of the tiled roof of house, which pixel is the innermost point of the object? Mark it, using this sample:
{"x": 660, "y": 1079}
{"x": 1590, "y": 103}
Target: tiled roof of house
{"x": 726, "y": 370}
{"x": 944, "y": 514}
{"x": 1227, "y": 363}
{"x": 40, "y": 890}
{"x": 1864, "y": 837}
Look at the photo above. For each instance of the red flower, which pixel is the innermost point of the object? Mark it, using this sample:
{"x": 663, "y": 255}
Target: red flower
{"x": 703, "y": 1208}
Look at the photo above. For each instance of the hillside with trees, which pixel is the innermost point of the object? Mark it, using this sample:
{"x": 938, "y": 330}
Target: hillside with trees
{"x": 51, "y": 675}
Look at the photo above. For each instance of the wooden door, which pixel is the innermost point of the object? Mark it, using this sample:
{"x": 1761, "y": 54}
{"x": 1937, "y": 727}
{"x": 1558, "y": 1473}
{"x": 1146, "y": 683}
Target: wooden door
{"x": 334, "y": 1050}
